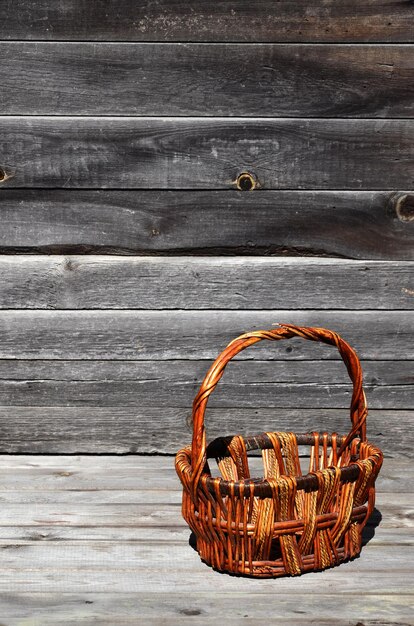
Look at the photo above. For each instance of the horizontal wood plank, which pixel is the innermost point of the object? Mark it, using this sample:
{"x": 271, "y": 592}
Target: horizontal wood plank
{"x": 165, "y": 335}
{"x": 280, "y": 384}
{"x": 392, "y": 581}
{"x": 201, "y": 20}
{"x": 112, "y": 479}
{"x": 110, "y": 282}
{"x": 259, "y": 80}
{"x": 131, "y": 556}
{"x": 111, "y": 608}
{"x": 365, "y": 225}
{"x": 79, "y": 535}
{"x": 202, "y": 153}
{"x": 127, "y": 499}
{"x": 176, "y": 373}
{"x": 161, "y": 429}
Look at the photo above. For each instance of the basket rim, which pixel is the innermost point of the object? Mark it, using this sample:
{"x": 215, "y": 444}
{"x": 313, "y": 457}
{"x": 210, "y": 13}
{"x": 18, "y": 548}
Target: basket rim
{"x": 261, "y": 487}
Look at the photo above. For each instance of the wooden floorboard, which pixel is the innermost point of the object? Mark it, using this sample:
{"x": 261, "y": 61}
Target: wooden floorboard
{"x": 205, "y": 608}
{"x": 101, "y": 540}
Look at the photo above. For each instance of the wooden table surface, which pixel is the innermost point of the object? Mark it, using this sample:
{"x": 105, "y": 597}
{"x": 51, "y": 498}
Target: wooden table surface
{"x": 81, "y": 543}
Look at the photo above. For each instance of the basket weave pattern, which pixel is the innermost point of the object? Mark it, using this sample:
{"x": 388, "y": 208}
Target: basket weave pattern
{"x": 284, "y": 523}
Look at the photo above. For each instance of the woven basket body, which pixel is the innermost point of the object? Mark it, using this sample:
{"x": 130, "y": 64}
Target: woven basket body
{"x": 290, "y": 519}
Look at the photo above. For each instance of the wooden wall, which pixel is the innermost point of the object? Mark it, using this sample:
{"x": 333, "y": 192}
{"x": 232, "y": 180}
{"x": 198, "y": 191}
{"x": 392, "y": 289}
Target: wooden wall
{"x": 129, "y": 258}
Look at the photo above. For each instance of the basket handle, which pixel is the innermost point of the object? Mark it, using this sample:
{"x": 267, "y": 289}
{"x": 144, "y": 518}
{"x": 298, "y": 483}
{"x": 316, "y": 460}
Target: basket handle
{"x": 358, "y": 409}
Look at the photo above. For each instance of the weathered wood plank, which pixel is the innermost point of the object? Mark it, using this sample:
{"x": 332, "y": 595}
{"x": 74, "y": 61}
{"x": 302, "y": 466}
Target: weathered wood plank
{"x": 78, "y": 535}
{"x": 258, "y": 80}
{"x": 201, "y": 20}
{"x": 202, "y": 153}
{"x": 394, "y": 510}
{"x": 151, "y": 558}
{"x": 47, "y": 499}
{"x": 208, "y": 621}
{"x": 165, "y": 335}
{"x": 180, "y": 374}
{"x": 120, "y": 568}
{"x": 105, "y": 475}
{"x": 121, "y": 608}
{"x": 100, "y": 282}
{"x": 154, "y": 430}
{"x": 303, "y": 384}
{"x": 80, "y": 484}
{"x": 393, "y": 582}
{"x": 366, "y": 225}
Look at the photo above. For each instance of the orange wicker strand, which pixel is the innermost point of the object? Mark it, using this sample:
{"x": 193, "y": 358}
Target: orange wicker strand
{"x": 285, "y": 523}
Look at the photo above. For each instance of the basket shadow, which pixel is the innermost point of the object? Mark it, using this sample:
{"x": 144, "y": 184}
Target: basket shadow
{"x": 369, "y": 531}
{"x": 367, "y": 534}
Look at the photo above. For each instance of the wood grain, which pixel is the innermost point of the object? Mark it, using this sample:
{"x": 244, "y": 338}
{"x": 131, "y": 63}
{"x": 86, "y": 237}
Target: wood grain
{"x": 58, "y": 477}
{"x": 121, "y": 608}
{"x": 130, "y": 556}
{"x": 202, "y": 153}
{"x": 258, "y": 80}
{"x": 113, "y": 282}
{"x": 164, "y": 429}
{"x": 105, "y": 535}
{"x": 164, "y": 335}
{"x": 362, "y": 224}
{"x": 262, "y": 384}
{"x": 120, "y": 569}
{"x": 201, "y": 20}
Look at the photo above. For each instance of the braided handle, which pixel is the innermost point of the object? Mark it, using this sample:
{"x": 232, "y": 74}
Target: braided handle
{"x": 358, "y": 408}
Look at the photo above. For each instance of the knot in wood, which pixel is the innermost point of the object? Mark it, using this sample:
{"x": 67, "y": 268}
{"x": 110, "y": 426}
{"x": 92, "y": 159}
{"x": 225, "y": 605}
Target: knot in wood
{"x": 404, "y": 208}
{"x": 246, "y": 181}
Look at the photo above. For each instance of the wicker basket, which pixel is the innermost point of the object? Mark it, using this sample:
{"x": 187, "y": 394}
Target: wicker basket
{"x": 284, "y": 523}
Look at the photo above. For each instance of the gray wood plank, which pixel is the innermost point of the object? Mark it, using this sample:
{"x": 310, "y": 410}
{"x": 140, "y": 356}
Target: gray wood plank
{"x": 120, "y": 568}
{"x": 161, "y": 429}
{"x": 202, "y": 153}
{"x": 128, "y": 498}
{"x": 189, "y": 374}
{"x": 201, "y": 20}
{"x": 17, "y": 494}
{"x": 122, "y": 608}
{"x": 205, "y": 581}
{"x": 258, "y": 80}
{"x": 113, "y": 282}
{"x": 165, "y": 335}
{"x": 184, "y": 373}
{"x": 153, "y": 559}
{"x": 306, "y": 384}
{"x": 80, "y": 535}
{"x": 107, "y": 476}
{"x": 365, "y": 225}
